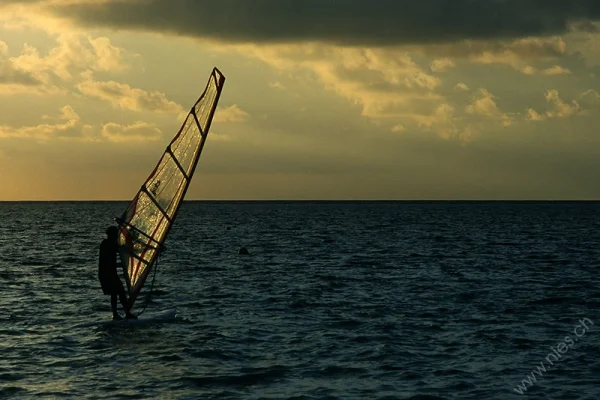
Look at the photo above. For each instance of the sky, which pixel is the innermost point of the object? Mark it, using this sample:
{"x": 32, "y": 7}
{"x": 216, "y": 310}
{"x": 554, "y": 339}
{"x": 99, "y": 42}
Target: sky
{"x": 324, "y": 99}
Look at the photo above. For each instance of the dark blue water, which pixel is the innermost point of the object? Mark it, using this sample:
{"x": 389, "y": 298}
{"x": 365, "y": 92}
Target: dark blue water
{"x": 336, "y": 301}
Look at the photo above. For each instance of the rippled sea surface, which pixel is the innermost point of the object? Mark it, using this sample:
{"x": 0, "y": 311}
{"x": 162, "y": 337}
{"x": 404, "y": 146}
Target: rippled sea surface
{"x": 355, "y": 300}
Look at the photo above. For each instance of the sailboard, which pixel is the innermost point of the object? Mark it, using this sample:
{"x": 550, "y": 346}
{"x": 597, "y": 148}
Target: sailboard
{"x": 160, "y": 317}
{"x": 148, "y": 219}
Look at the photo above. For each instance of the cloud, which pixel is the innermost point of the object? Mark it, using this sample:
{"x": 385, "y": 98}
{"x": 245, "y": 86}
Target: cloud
{"x": 383, "y": 82}
{"x": 484, "y": 105}
{"x": 277, "y": 85}
{"x": 591, "y": 95}
{"x": 519, "y": 54}
{"x": 442, "y": 121}
{"x": 556, "y": 70}
{"x": 387, "y": 83}
{"x": 124, "y": 96}
{"x": 348, "y": 22}
{"x": 533, "y": 115}
{"x": 559, "y": 108}
{"x": 463, "y": 123}
{"x": 108, "y": 57}
{"x": 67, "y": 125}
{"x": 9, "y": 2}
{"x": 21, "y": 16}
{"x": 136, "y": 132}
{"x": 13, "y": 79}
{"x": 231, "y": 114}
{"x": 74, "y": 57}
{"x": 442, "y": 64}
{"x": 587, "y": 44}
{"x": 398, "y": 128}
{"x": 445, "y": 122}
{"x": 461, "y": 87}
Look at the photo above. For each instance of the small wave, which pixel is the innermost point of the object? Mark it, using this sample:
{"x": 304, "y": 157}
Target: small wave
{"x": 159, "y": 292}
{"x": 346, "y": 324}
{"x": 522, "y": 343}
{"x": 10, "y": 391}
{"x": 72, "y": 260}
{"x": 54, "y": 269}
{"x": 555, "y": 300}
{"x": 170, "y": 357}
{"x": 513, "y": 244}
{"x": 338, "y": 370}
{"x": 10, "y": 377}
{"x": 32, "y": 262}
{"x": 212, "y": 354}
{"x": 251, "y": 378}
{"x": 299, "y": 304}
{"x": 467, "y": 296}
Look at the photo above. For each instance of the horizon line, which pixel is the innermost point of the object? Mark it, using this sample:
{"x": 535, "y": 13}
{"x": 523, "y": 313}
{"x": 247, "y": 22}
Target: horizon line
{"x": 304, "y": 200}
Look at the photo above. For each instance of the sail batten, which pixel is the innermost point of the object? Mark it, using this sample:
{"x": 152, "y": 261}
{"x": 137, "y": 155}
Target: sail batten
{"x": 183, "y": 171}
{"x": 146, "y": 222}
{"x": 197, "y": 122}
{"x": 156, "y": 203}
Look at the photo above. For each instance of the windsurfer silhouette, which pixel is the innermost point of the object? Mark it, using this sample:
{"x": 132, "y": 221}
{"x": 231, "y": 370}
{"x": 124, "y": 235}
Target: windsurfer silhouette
{"x": 108, "y": 275}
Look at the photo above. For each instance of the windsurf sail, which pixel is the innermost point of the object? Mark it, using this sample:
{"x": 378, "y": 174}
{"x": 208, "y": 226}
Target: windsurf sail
{"x": 145, "y": 224}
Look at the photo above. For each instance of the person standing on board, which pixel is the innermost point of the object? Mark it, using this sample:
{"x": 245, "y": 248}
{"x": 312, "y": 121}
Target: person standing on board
{"x": 107, "y": 273}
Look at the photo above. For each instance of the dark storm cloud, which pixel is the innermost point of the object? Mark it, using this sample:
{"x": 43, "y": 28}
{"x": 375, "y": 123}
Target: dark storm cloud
{"x": 375, "y": 22}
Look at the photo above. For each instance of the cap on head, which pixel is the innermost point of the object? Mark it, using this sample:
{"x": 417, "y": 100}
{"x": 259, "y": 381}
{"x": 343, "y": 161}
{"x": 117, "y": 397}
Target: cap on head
{"x": 112, "y": 231}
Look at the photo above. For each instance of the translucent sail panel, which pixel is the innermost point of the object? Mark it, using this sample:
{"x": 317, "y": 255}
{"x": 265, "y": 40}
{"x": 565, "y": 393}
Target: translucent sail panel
{"x": 198, "y": 123}
{"x": 166, "y": 186}
{"x": 139, "y": 240}
{"x": 148, "y": 219}
{"x": 187, "y": 144}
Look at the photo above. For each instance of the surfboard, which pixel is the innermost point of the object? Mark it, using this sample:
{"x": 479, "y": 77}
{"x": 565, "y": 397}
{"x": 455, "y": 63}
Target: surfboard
{"x": 156, "y": 318}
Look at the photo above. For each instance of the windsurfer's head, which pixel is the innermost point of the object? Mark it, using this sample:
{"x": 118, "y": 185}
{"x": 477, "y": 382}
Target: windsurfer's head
{"x": 112, "y": 232}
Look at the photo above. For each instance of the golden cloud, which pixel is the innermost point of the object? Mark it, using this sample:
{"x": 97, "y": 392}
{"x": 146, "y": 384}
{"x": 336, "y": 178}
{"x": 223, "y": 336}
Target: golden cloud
{"x": 67, "y": 125}
{"x": 383, "y": 81}
{"x": 231, "y": 114}
{"x": 124, "y": 96}
{"x": 136, "y": 132}
{"x": 558, "y": 108}
{"x": 442, "y": 64}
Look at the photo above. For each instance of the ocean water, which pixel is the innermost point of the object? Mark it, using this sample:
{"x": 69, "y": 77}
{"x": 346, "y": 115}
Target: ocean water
{"x": 337, "y": 300}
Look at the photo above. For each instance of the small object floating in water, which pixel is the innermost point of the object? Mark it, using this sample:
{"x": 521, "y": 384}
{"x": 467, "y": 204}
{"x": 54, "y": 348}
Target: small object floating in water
{"x": 243, "y": 251}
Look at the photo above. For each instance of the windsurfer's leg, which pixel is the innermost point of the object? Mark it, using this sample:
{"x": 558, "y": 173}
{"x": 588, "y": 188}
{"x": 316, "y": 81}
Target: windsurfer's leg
{"x": 123, "y": 300}
{"x": 125, "y": 303}
{"x": 113, "y": 303}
